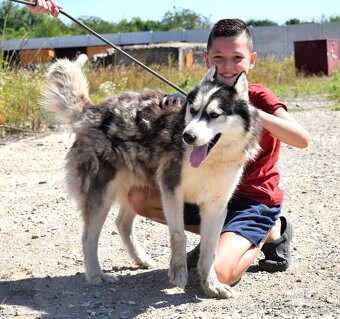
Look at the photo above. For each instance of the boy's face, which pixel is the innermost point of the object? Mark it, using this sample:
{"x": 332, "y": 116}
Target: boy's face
{"x": 232, "y": 57}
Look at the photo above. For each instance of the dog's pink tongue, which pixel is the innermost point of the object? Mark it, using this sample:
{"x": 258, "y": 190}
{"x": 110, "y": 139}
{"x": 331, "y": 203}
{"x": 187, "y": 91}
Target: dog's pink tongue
{"x": 198, "y": 154}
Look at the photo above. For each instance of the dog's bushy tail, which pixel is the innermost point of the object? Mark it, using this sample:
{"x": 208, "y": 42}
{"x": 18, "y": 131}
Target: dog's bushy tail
{"x": 66, "y": 92}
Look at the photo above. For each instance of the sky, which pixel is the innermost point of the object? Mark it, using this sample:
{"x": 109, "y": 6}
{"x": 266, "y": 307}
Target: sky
{"x": 277, "y": 11}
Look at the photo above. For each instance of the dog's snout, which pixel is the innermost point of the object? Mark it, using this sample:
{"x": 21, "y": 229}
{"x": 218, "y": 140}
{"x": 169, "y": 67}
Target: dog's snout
{"x": 189, "y": 138}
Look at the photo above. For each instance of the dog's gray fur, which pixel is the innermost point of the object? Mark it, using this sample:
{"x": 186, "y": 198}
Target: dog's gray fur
{"x": 131, "y": 140}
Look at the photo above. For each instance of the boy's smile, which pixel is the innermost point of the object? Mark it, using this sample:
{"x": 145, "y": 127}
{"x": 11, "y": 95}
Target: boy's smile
{"x": 231, "y": 55}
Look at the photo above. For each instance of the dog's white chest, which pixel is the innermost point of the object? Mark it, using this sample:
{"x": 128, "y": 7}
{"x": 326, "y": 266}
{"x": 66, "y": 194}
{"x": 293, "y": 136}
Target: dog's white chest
{"x": 209, "y": 182}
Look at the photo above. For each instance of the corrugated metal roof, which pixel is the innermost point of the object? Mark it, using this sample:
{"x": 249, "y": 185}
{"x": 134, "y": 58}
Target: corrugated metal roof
{"x": 268, "y": 40}
{"x": 130, "y": 38}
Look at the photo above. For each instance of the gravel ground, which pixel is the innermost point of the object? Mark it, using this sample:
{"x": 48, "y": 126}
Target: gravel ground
{"x": 41, "y": 268}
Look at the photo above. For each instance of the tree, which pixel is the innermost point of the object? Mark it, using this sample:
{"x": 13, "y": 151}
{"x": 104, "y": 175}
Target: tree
{"x": 293, "y": 21}
{"x": 334, "y": 19}
{"x": 18, "y": 22}
{"x": 186, "y": 19}
{"x": 46, "y": 26}
{"x": 260, "y": 23}
{"x": 14, "y": 22}
{"x": 95, "y": 23}
{"x": 137, "y": 24}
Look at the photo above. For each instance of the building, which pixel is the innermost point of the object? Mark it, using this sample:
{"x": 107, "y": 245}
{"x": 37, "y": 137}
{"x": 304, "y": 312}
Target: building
{"x": 182, "y": 46}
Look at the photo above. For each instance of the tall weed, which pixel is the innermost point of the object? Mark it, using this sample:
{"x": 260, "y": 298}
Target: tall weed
{"x": 20, "y": 91}
{"x": 104, "y": 82}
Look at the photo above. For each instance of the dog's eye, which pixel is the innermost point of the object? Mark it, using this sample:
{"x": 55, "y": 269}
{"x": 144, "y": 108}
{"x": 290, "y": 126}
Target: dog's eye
{"x": 214, "y": 115}
{"x": 192, "y": 111}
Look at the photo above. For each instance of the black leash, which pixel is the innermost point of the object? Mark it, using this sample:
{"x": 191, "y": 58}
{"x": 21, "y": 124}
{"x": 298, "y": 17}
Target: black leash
{"x": 33, "y": 3}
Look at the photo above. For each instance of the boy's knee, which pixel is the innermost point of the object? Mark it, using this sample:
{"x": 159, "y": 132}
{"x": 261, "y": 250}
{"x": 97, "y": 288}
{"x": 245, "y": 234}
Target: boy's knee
{"x": 147, "y": 203}
{"x": 226, "y": 274}
{"x": 137, "y": 198}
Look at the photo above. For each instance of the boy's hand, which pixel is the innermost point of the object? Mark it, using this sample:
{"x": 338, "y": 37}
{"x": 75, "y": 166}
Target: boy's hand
{"x": 173, "y": 100}
{"x": 45, "y": 6}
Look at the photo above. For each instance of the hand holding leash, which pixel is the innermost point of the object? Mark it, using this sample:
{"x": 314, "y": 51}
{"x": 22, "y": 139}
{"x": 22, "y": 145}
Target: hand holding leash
{"x": 47, "y": 6}
{"x": 43, "y": 6}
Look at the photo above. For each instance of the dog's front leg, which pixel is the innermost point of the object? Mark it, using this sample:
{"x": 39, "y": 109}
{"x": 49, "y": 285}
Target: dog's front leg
{"x": 173, "y": 210}
{"x": 212, "y": 218}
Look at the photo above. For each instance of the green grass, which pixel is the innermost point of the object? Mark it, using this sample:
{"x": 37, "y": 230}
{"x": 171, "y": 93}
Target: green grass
{"x": 19, "y": 95}
{"x": 20, "y": 90}
{"x": 283, "y": 80}
{"x": 106, "y": 82}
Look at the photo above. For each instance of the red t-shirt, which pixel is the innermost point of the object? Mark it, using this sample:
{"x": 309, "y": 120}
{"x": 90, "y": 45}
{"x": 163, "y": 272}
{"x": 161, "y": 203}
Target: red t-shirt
{"x": 260, "y": 181}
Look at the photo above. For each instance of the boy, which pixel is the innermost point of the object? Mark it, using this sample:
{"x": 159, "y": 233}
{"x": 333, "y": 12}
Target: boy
{"x": 253, "y": 219}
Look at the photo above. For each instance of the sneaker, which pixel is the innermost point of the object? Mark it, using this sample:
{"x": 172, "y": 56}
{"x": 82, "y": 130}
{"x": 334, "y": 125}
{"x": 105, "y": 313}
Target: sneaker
{"x": 192, "y": 257}
{"x": 277, "y": 252}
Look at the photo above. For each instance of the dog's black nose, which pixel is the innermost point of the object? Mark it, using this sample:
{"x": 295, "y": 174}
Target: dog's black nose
{"x": 189, "y": 138}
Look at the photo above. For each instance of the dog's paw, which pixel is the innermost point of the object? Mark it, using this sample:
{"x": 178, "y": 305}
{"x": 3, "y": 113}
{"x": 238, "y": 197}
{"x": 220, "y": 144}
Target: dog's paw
{"x": 218, "y": 290}
{"x": 101, "y": 278}
{"x": 178, "y": 275}
{"x": 145, "y": 262}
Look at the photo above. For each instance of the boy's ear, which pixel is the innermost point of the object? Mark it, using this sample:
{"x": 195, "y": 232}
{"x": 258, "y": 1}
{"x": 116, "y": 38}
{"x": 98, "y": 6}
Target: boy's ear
{"x": 252, "y": 60}
{"x": 241, "y": 86}
{"x": 206, "y": 59}
{"x": 211, "y": 74}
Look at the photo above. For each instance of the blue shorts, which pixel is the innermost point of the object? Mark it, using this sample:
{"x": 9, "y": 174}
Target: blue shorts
{"x": 250, "y": 219}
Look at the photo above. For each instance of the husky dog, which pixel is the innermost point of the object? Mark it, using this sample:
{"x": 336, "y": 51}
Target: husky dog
{"x": 192, "y": 154}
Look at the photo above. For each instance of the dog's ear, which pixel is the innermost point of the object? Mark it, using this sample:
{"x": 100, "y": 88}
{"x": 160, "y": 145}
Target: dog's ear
{"x": 241, "y": 86}
{"x": 211, "y": 75}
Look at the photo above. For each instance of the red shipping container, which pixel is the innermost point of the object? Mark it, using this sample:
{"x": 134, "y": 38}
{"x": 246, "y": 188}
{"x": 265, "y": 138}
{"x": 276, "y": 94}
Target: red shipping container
{"x": 317, "y": 56}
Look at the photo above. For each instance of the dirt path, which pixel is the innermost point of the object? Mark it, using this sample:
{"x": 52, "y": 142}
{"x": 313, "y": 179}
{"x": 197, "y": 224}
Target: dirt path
{"x": 41, "y": 269}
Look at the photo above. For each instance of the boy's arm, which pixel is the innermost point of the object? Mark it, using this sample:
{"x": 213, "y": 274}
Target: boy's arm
{"x": 285, "y": 128}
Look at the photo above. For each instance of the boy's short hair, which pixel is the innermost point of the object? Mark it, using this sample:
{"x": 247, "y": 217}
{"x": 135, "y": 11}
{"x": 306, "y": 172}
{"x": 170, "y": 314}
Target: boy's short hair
{"x": 229, "y": 28}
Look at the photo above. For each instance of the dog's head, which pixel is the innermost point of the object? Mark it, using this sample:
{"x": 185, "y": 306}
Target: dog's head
{"x": 212, "y": 109}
